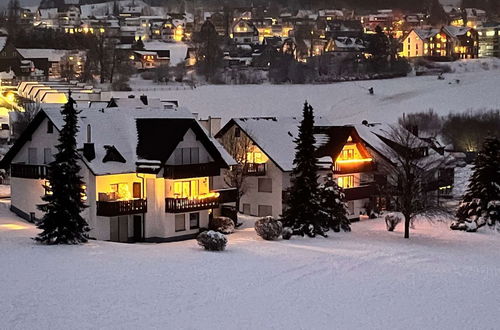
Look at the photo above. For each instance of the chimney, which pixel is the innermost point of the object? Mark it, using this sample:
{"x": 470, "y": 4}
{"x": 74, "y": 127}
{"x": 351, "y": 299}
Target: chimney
{"x": 89, "y": 151}
{"x": 144, "y": 99}
{"x": 215, "y": 125}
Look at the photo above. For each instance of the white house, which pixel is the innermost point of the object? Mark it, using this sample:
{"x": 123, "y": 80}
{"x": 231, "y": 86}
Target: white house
{"x": 269, "y": 162}
{"x": 148, "y": 171}
{"x": 416, "y": 43}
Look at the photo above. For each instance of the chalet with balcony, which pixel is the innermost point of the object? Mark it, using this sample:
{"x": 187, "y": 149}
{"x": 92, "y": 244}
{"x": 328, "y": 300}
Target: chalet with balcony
{"x": 148, "y": 171}
{"x": 269, "y": 151}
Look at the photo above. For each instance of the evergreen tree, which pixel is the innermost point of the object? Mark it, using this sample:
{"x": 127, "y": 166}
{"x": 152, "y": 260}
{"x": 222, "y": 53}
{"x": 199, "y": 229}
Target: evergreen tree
{"x": 208, "y": 53}
{"x": 483, "y": 193}
{"x": 333, "y": 206}
{"x": 303, "y": 211}
{"x": 437, "y": 15}
{"x": 139, "y": 44}
{"x": 380, "y": 48}
{"x": 62, "y": 222}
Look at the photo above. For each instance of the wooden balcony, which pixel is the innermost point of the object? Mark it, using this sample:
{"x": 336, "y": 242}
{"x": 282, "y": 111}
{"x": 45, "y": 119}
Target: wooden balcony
{"x": 181, "y": 205}
{"x": 354, "y": 167}
{"x": 191, "y": 171}
{"x": 28, "y": 171}
{"x": 253, "y": 169}
{"x": 360, "y": 192}
{"x": 116, "y": 208}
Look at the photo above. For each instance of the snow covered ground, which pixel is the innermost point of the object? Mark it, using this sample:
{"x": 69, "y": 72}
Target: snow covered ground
{"x": 348, "y": 102}
{"x": 367, "y": 279}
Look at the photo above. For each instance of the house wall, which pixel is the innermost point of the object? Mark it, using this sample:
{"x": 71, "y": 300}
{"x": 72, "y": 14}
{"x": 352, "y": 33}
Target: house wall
{"x": 39, "y": 140}
{"x": 413, "y": 46}
{"x": 255, "y": 198}
{"x": 190, "y": 141}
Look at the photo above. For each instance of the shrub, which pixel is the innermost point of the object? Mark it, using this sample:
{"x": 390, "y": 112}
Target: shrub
{"x": 212, "y": 240}
{"x": 268, "y": 228}
{"x": 148, "y": 75}
{"x": 221, "y": 224}
{"x": 287, "y": 233}
{"x": 392, "y": 220}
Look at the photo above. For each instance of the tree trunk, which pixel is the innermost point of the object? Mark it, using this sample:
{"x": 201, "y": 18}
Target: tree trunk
{"x": 407, "y": 225}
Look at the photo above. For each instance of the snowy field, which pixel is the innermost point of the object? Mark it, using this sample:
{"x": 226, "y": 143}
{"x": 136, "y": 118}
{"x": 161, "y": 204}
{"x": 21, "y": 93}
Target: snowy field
{"x": 367, "y": 279}
{"x": 347, "y": 102}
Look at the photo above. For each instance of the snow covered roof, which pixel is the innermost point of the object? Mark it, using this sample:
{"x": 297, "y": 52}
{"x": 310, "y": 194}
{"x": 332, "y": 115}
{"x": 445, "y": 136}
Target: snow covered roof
{"x": 123, "y": 128}
{"x": 53, "y": 55}
{"x": 274, "y": 136}
{"x": 349, "y": 43}
{"x": 456, "y": 31}
{"x": 425, "y": 34}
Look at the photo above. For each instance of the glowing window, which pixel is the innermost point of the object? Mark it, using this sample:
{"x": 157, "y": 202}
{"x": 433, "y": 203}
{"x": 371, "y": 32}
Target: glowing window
{"x": 346, "y": 181}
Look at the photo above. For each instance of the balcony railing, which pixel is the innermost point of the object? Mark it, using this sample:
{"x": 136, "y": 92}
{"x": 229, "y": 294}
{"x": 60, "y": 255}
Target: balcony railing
{"x": 180, "y": 205}
{"x": 354, "y": 167}
{"x": 253, "y": 169}
{"x": 191, "y": 171}
{"x": 116, "y": 208}
{"x": 28, "y": 171}
{"x": 360, "y": 192}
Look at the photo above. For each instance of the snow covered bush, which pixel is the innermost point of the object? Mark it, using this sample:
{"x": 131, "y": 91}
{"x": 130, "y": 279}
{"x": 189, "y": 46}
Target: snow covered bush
{"x": 212, "y": 240}
{"x": 268, "y": 228}
{"x": 333, "y": 206}
{"x": 392, "y": 220}
{"x": 223, "y": 225}
{"x": 287, "y": 233}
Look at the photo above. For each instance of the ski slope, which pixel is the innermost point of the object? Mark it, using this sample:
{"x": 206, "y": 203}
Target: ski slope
{"x": 366, "y": 279}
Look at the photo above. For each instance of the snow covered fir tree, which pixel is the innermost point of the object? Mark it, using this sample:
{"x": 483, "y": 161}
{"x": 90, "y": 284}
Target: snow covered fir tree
{"x": 62, "y": 222}
{"x": 481, "y": 203}
{"x": 303, "y": 213}
{"x": 333, "y": 206}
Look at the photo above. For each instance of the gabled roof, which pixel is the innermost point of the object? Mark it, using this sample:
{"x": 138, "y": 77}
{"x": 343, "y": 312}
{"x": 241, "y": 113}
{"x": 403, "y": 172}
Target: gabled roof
{"x": 274, "y": 136}
{"x": 425, "y": 34}
{"x": 119, "y": 134}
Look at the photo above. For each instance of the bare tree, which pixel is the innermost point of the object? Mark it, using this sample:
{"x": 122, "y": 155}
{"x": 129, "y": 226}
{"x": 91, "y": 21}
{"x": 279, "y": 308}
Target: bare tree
{"x": 413, "y": 176}
{"x": 235, "y": 177}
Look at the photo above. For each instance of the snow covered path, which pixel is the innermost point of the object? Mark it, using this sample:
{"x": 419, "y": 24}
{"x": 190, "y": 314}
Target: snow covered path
{"x": 343, "y": 103}
{"x": 367, "y": 279}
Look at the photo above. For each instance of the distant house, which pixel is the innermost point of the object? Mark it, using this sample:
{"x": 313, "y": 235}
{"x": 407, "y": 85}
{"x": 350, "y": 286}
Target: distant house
{"x": 448, "y": 42}
{"x": 416, "y": 42}
{"x": 245, "y": 32}
{"x": 144, "y": 60}
{"x": 489, "y": 40}
{"x": 147, "y": 171}
{"x": 28, "y": 61}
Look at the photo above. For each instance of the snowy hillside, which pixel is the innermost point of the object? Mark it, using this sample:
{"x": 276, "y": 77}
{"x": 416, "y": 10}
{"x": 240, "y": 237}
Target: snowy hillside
{"x": 347, "y": 102}
{"x": 367, "y": 279}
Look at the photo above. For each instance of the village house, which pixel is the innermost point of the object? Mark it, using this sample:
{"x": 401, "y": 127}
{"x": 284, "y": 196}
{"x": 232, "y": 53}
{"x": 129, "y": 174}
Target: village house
{"x": 148, "y": 171}
{"x": 489, "y": 40}
{"x": 356, "y": 157}
{"x": 269, "y": 162}
{"x": 245, "y": 32}
{"x": 416, "y": 42}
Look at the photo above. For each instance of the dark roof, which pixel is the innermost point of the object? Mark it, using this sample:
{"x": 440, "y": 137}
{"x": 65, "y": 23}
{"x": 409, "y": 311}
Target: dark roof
{"x": 338, "y": 136}
{"x": 113, "y": 155}
{"x": 153, "y": 133}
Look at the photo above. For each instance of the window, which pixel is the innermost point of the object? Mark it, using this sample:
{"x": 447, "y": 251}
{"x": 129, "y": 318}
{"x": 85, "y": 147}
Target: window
{"x": 50, "y": 127}
{"x": 136, "y": 190}
{"x": 346, "y": 181}
{"x": 265, "y": 185}
{"x": 237, "y": 132}
{"x": 194, "y": 220}
{"x": 347, "y": 154}
{"x": 119, "y": 191}
{"x": 190, "y": 188}
{"x": 32, "y": 156}
{"x": 47, "y": 155}
{"x": 265, "y": 210}
{"x": 180, "y": 223}
{"x": 186, "y": 156}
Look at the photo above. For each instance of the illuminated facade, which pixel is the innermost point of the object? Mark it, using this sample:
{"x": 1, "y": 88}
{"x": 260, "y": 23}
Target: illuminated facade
{"x": 154, "y": 191}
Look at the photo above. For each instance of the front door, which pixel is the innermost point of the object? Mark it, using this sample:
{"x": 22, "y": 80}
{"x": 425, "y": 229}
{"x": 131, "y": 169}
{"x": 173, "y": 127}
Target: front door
{"x": 137, "y": 228}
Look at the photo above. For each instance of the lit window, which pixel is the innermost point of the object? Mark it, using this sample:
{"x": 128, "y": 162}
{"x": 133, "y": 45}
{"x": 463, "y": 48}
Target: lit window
{"x": 346, "y": 181}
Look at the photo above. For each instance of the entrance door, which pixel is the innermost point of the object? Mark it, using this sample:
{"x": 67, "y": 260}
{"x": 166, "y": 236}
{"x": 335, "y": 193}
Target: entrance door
{"x": 137, "y": 228}
{"x": 118, "y": 227}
